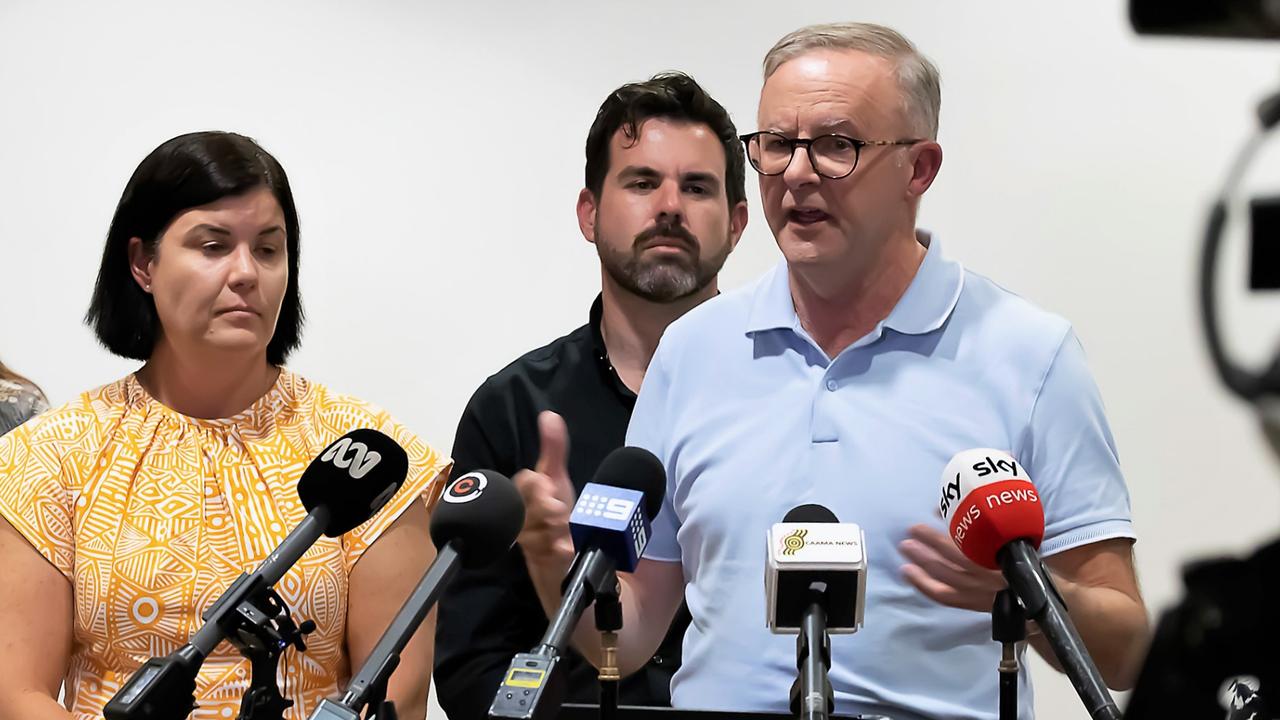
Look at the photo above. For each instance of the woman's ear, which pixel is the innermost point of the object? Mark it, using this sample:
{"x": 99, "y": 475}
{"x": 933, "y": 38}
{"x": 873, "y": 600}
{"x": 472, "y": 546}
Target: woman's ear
{"x": 140, "y": 264}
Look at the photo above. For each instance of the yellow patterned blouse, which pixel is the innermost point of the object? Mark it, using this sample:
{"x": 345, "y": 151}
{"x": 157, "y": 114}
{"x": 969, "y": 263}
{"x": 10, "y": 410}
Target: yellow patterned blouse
{"x": 151, "y": 515}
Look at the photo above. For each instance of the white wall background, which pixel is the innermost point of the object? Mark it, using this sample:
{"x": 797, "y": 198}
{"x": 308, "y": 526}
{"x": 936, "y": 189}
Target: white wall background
{"x": 436, "y": 153}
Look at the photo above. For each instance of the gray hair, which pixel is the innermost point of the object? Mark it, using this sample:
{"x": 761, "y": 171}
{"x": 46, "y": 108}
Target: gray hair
{"x": 917, "y": 76}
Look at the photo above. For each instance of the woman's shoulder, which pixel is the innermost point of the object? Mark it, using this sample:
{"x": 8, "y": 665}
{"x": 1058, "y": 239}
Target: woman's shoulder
{"x": 337, "y": 411}
{"x": 86, "y": 412}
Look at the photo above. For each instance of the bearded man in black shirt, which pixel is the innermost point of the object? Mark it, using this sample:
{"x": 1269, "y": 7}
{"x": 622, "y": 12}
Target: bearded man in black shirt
{"x": 664, "y": 204}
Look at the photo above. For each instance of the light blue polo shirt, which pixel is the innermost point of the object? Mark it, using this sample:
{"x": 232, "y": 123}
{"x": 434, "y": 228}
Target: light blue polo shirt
{"x": 751, "y": 418}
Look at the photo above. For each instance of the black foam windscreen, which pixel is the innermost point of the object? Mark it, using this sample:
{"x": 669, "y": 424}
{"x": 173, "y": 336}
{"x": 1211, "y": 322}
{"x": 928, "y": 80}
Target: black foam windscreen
{"x": 353, "y": 478}
{"x": 635, "y": 469}
{"x": 482, "y": 513}
{"x": 810, "y": 513}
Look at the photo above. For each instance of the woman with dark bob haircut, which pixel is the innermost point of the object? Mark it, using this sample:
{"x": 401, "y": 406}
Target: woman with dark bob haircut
{"x": 129, "y": 510}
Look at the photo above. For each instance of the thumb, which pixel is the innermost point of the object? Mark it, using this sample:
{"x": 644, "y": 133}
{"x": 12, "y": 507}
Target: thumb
{"x": 553, "y": 447}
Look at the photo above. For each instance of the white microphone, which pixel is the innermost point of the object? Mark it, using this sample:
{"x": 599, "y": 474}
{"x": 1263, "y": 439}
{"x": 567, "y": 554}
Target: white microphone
{"x": 811, "y": 554}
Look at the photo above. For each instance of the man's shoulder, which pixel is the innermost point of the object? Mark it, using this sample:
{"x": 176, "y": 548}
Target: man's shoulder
{"x": 536, "y": 367}
{"x": 999, "y": 313}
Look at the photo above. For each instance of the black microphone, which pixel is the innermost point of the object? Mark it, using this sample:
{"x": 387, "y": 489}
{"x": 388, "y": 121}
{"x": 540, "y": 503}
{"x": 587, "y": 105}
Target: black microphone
{"x": 810, "y": 513}
{"x": 342, "y": 488}
{"x": 476, "y": 522}
{"x": 610, "y": 528}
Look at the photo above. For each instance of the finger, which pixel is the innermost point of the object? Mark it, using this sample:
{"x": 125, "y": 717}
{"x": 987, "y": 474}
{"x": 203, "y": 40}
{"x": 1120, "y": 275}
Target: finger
{"x": 932, "y": 537}
{"x": 531, "y": 485}
{"x": 944, "y": 546}
{"x": 553, "y": 445}
{"x": 936, "y": 566}
{"x": 932, "y": 588}
{"x": 564, "y": 547}
{"x": 539, "y": 496}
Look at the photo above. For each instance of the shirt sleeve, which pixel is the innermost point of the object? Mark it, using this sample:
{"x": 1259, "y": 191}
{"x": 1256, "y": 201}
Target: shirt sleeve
{"x": 1071, "y": 456}
{"x": 646, "y": 431}
{"x": 36, "y": 495}
{"x": 428, "y": 470}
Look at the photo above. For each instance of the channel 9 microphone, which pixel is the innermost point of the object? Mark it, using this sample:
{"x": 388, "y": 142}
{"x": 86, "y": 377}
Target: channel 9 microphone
{"x": 995, "y": 518}
{"x": 479, "y": 516}
{"x": 610, "y": 528}
{"x": 815, "y": 584}
{"x": 342, "y": 488}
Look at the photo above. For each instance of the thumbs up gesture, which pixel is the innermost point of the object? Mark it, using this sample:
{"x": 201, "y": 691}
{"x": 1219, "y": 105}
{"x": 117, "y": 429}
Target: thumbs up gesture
{"x": 548, "y": 497}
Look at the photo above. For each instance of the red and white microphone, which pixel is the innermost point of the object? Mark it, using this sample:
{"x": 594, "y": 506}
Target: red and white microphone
{"x": 988, "y": 501}
{"x": 994, "y": 516}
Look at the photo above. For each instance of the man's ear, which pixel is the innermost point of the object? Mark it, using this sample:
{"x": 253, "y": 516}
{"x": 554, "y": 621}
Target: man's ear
{"x": 926, "y": 161}
{"x": 737, "y": 223}
{"x": 587, "y": 210}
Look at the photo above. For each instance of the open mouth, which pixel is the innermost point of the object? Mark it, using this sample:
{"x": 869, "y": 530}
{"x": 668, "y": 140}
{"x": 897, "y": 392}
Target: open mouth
{"x": 807, "y": 216}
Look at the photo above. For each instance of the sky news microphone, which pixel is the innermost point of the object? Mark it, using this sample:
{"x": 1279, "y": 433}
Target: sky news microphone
{"x": 342, "y": 488}
{"x": 476, "y": 522}
{"x": 815, "y": 584}
{"x": 610, "y": 528}
{"x": 995, "y": 518}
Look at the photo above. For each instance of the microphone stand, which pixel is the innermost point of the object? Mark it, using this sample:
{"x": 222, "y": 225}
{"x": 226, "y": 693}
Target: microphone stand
{"x": 534, "y": 685}
{"x": 811, "y": 695}
{"x": 368, "y": 689}
{"x": 608, "y": 612}
{"x": 257, "y": 623}
{"x": 1030, "y": 581}
{"x": 263, "y": 630}
{"x": 1008, "y": 627}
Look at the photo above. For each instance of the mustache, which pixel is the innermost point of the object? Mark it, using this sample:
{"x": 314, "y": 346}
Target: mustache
{"x": 668, "y": 228}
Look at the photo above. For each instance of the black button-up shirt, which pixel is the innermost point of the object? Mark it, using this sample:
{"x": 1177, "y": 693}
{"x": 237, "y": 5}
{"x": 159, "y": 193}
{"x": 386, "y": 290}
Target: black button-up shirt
{"x": 487, "y": 616}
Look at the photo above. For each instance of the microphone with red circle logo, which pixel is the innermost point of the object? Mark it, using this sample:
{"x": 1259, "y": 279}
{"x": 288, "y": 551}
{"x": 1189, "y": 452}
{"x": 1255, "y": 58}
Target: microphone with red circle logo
{"x": 995, "y": 518}
{"x": 476, "y": 522}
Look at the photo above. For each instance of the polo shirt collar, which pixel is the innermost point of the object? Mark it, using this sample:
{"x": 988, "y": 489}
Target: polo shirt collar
{"x": 923, "y": 308}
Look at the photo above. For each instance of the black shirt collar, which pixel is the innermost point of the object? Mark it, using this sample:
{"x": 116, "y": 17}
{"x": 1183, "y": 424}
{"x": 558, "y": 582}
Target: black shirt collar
{"x": 601, "y": 352}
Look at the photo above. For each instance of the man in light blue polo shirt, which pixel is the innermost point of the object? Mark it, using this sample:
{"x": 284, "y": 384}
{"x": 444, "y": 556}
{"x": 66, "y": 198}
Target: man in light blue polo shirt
{"x": 848, "y": 376}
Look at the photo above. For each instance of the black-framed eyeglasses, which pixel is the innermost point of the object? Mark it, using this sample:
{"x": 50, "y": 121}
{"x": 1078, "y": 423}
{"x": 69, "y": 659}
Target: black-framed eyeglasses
{"x": 832, "y": 156}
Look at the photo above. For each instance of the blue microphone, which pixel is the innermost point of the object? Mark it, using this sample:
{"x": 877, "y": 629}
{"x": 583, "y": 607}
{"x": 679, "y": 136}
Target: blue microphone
{"x": 610, "y": 528}
{"x": 611, "y": 520}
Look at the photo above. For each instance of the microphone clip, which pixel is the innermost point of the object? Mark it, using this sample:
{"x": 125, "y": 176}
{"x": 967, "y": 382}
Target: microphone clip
{"x": 261, "y": 627}
{"x": 253, "y": 618}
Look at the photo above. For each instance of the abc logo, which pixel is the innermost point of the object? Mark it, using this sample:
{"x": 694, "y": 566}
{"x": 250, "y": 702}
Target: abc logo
{"x": 465, "y": 489}
{"x": 354, "y": 457}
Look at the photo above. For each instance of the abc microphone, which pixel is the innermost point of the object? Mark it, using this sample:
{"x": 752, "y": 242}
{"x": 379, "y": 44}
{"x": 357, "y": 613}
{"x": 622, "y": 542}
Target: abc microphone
{"x": 342, "y": 488}
{"x": 479, "y": 516}
{"x": 995, "y": 518}
{"x": 815, "y": 584}
{"x": 610, "y": 528}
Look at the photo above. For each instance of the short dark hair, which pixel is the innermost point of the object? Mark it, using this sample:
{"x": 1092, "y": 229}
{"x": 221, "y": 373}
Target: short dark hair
{"x": 670, "y": 95}
{"x": 185, "y": 172}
